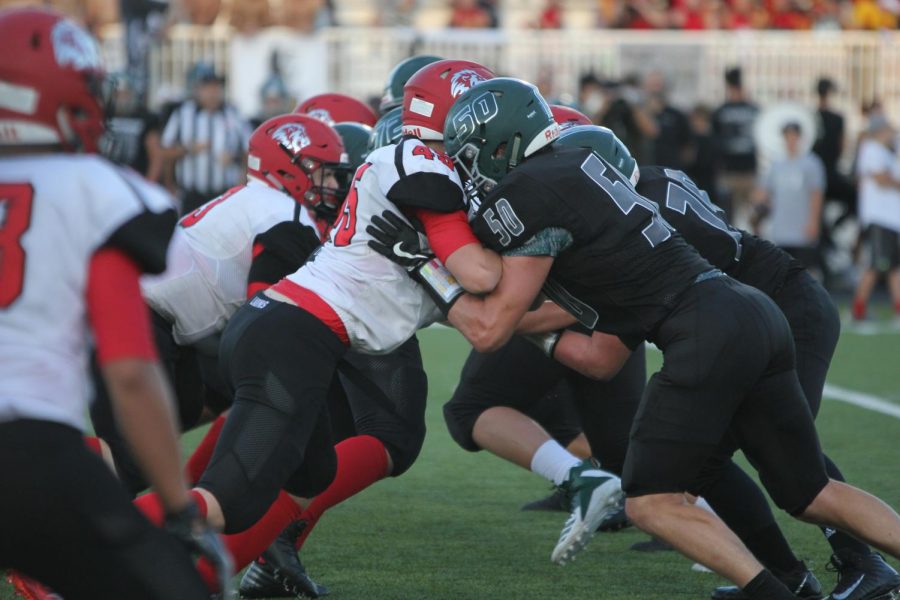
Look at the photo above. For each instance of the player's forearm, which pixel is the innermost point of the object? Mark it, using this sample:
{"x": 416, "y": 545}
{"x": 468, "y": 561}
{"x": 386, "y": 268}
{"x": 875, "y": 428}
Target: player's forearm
{"x": 144, "y": 412}
{"x": 476, "y": 268}
{"x": 598, "y": 356}
{"x": 549, "y": 317}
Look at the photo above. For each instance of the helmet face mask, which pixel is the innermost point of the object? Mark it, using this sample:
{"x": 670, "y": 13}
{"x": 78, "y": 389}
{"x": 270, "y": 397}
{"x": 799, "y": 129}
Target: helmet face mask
{"x": 297, "y": 154}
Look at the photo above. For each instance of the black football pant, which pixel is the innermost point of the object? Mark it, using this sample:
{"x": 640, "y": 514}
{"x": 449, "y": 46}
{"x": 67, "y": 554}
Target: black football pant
{"x": 67, "y": 522}
{"x": 382, "y": 396}
{"x": 194, "y": 375}
{"x": 280, "y": 361}
{"x": 728, "y": 377}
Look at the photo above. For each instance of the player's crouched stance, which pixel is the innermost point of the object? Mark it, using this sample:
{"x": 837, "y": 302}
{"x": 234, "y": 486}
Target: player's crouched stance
{"x": 76, "y": 235}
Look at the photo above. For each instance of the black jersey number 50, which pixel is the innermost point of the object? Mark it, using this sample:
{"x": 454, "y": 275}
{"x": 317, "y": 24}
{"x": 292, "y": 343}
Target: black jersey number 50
{"x": 624, "y": 196}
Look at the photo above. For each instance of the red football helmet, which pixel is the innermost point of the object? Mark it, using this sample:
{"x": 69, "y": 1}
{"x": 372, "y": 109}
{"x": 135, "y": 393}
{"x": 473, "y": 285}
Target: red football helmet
{"x": 337, "y": 108}
{"x": 429, "y": 94}
{"x": 52, "y": 78}
{"x": 286, "y": 150}
{"x": 568, "y": 117}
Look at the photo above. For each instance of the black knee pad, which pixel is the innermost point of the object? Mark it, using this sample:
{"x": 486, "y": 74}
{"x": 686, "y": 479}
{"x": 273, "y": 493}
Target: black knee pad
{"x": 315, "y": 474}
{"x": 404, "y": 449}
{"x": 460, "y": 415}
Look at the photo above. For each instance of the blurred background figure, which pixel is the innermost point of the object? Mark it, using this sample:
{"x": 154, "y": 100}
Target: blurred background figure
{"x": 733, "y": 128}
{"x": 470, "y": 14}
{"x": 144, "y": 22}
{"x": 702, "y": 163}
{"x": 275, "y": 99}
{"x": 551, "y": 16}
{"x": 792, "y": 194}
{"x": 206, "y": 139}
{"x": 672, "y": 136}
{"x": 395, "y": 13}
{"x": 132, "y": 135}
{"x": 879, "y": 213}
{"x": 829, "y": 146}
{"x": 249, "y": 17}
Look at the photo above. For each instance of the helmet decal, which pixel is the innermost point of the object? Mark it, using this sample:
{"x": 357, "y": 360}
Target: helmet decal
{"x": 322, "y": 114}
{"x": 463, "y": 81}
{"x": 292, "y": 137}
{"x": 73, "y": 47}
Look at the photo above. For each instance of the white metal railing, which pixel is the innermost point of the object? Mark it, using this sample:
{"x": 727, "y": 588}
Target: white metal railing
{"x": 777, "y": 65}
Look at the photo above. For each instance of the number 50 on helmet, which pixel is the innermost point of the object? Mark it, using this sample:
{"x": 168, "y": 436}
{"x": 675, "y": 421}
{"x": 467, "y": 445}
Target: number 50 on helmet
{"x": 496, "y": 125}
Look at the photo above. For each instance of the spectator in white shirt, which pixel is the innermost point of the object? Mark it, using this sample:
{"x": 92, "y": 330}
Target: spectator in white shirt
{"x": 879, "y": 212}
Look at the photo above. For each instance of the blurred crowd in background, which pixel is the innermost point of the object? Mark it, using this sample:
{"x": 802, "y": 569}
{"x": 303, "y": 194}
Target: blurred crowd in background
{"x": 831, "y": 201}
{"x": 308, "y": 15}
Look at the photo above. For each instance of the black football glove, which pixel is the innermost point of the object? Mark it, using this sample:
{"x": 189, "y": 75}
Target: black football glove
{"x": 398, "y": 241}
{"x": 201, "y": 540}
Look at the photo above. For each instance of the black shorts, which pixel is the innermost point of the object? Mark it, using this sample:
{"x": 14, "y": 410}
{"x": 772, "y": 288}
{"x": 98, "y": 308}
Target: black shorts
{"x": 728, "y": 368}
{"x": 194, "y": 375}
{"x": 816, "y": 327}
{"x": 518, "y": 375}
{"x": 883, "y": 246}
{"x": 280, "y": 360}
{"x": 67, "y": 522}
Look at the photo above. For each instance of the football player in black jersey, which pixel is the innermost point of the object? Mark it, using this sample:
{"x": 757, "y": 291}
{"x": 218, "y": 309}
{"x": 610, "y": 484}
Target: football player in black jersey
{"x": 814, "y": 321}
{"x": 568, "y": 222}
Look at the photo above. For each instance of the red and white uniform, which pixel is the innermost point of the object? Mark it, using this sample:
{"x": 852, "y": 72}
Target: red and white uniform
{"x": 56, "y": 211}
{"x": 210, "y": 257}
{"x": 376, "y": 302}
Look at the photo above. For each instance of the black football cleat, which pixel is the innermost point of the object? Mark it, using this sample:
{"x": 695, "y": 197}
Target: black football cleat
{"x": 800, "y": 581}
{"x": 863, "y": 577}
{"x": 557, "y": 501}
{"x": 278, "y": 573}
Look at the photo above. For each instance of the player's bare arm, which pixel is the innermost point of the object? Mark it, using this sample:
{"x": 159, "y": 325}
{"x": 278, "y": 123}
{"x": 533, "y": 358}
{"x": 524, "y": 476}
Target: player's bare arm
{"x": 488, "y": 322}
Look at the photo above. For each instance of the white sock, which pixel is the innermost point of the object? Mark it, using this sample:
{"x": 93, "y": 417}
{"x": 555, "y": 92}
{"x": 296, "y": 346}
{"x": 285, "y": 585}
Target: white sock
{"x": 553, "y": 462}
{"x": 702, "y": 503}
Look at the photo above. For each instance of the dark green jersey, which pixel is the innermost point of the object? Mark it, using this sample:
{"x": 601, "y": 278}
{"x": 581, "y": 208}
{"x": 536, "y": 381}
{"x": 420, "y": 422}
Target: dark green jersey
{"x": 615, "y": 255}
{"x": 742, "y": 255}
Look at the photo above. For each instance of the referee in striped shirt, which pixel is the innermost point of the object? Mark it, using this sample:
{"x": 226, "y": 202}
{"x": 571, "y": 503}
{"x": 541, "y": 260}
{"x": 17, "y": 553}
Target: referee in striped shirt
{"x": 207, "y": 139}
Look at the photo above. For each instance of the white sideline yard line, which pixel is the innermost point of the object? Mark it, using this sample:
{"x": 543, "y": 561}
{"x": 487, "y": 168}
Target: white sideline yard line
{"x": 867, "y": 401}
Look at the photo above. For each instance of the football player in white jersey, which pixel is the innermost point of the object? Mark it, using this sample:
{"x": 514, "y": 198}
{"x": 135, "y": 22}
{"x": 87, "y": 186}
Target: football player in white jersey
{"x": 281, "y": 350}
{"x": 76, "y": 232}
{"x": 221, "y": 254}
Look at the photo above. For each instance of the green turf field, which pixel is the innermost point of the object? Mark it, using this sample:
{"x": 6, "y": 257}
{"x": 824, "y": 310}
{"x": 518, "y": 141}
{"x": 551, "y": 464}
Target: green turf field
{"x": 451, "y": 527}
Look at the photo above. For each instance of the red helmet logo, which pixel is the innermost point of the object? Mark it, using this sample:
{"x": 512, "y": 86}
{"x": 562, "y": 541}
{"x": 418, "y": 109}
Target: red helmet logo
{"x": 73, "y": 47}
{"x": 322, "y": 115}
{"x": 463, "y": 81}
{"x": 292, "y": 137}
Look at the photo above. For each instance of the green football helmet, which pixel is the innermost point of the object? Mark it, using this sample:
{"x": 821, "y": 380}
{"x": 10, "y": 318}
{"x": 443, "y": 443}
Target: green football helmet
{"x": 356, "y": 141}
{"x": 388, "y": 130}
{"x": 400, "y": 74}
{"x": 605, "y": 144}
{"x": 494, "y": 126}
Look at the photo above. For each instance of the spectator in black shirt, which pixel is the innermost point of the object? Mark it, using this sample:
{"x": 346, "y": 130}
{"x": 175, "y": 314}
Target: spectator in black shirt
{"x": 829, "y": 146}
{"x": 703, "y": 160}
{"x": 733, "y": 129}
{"x": 132, "y": 134}
{"x": 672, "y": 132}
